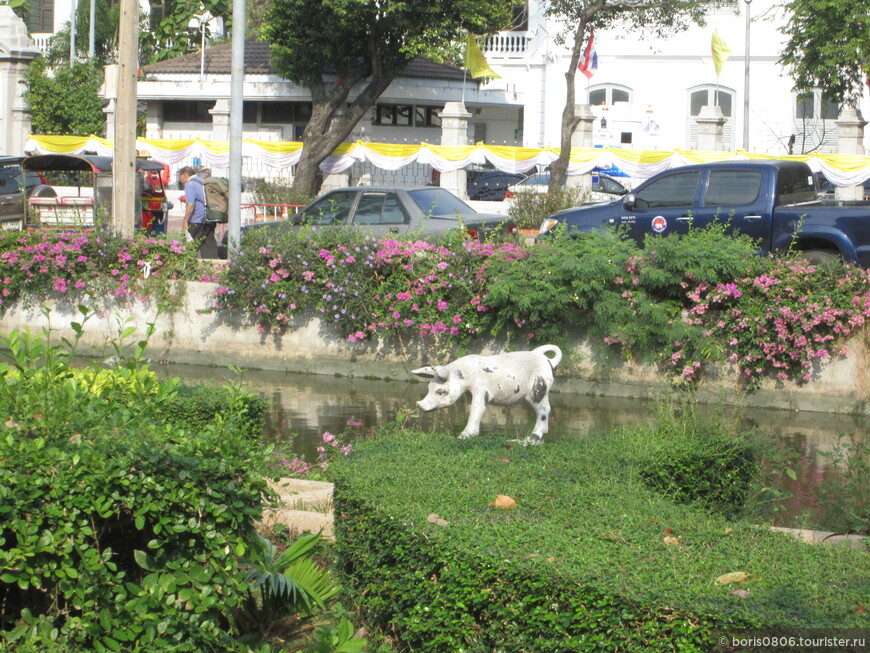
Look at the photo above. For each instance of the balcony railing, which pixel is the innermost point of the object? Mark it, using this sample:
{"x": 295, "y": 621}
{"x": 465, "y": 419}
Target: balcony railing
{"x": 41, "y": 41}
{"x": 506, "y": 45}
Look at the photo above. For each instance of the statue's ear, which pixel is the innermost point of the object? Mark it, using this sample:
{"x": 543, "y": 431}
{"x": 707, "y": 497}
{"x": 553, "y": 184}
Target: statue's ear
{"x": 428, "y": 372}
{"x": 442, "y": 372}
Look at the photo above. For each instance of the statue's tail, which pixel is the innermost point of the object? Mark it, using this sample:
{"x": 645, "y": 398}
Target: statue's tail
{"x": 557, "y": 353}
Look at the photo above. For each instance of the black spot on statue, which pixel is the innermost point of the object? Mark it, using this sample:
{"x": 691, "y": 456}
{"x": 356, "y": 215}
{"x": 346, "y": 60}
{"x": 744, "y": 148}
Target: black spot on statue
{"x": 539, "y": 389}
{"x": 486, "y": 398}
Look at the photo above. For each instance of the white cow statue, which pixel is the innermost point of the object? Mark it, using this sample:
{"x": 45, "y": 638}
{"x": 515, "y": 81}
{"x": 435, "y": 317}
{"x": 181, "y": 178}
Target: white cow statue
{"x": 502, "y": 379}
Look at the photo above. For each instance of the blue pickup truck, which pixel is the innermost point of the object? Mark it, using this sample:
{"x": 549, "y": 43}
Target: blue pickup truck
{"x": 774, "y": 202}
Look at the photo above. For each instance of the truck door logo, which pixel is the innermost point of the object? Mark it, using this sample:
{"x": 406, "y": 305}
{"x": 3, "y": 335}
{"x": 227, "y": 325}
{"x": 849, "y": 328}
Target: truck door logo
{"x": 659, "y": 224}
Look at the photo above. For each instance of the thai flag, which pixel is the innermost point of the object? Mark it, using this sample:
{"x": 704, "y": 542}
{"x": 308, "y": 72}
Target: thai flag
{"x": 589, "y": 64}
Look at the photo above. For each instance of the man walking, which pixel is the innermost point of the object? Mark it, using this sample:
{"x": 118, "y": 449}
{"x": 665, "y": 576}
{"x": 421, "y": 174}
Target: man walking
{"x": 194, "y": 214}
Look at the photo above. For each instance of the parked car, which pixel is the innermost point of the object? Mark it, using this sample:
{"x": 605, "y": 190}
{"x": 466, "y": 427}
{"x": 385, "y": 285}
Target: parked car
{"x": 773, "y": 202}
{"x": 16, "y": 185}
{"x": 604, "y": 188}
{"x": 391, "y": 210}
{"x": 491, "y": 185}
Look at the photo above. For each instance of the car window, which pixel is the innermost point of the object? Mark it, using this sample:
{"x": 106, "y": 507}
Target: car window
{"x": 673, "y": 191}
{"x": 9, "y": 176}
{"x": 379, "y": 208}
{"x": 332, "y": 208}
{"x": 437, "y": 201}
{"x": 733, "y": 187}
{"x": 608, "y": 185}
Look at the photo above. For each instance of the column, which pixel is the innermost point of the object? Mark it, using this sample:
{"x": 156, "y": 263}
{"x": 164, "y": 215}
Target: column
{"x": 850, "y": 140}
{"x": 220, "y": 128}
{"x": 582, "y": 139}
{"x": 17, "y": 52}
{"x": 454, "y": 131}
{"x": 711, "y": 126}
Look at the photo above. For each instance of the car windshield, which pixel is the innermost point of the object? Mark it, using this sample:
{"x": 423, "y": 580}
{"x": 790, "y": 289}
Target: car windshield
{"x": 437, "y": 201}
{"x": 537, "y": 179}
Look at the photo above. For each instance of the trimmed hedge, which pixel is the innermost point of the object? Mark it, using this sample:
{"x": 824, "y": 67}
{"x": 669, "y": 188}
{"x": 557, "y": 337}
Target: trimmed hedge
{"x": 595, "y": 556}
{"x": 119, "y": 530}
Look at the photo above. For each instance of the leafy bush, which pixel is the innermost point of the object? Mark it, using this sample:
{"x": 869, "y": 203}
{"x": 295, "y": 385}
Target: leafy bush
{"x": 73, "y": 265}
{"x": 785, "y": 319}
{"x": 117, "y": 530}
{"x": 590, "y": 558}
{"x": 529, "y": 209}
{"x": 196, "y": 407}
{"x": 277, "y": 191}
{"x": 363, "y": 286}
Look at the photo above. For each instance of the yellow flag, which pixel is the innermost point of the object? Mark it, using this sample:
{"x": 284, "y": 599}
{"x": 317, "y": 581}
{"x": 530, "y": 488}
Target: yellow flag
{"x": 721, "y": 52}
{"x": 476, "y": 62}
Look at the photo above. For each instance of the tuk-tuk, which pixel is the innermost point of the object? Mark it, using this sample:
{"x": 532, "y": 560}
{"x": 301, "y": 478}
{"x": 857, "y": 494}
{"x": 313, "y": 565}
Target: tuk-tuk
{"x": 76, "y": 191}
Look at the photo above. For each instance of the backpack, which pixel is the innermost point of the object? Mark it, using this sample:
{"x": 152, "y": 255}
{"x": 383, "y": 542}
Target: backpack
{"x": 217, "y": 203}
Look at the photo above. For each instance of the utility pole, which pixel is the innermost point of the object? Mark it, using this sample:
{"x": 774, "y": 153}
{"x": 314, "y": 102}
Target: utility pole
{"x": 746, "y": 84}
{"x": 237, "y": 91}
{"x": 92, "y": 31}
{"x": 124, "y": 164}
{"x": 72, "y": 35}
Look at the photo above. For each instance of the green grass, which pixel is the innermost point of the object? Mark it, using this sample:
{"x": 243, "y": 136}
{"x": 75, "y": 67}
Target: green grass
{"x": 590, "y": 520}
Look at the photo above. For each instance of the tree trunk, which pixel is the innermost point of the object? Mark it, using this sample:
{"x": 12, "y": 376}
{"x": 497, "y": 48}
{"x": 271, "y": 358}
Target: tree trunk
{"x": 329, "y": 126}
{"x": 559, "y": 167}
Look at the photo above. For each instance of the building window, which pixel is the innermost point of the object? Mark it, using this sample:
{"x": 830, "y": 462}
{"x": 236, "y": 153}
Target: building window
{"x": 40, "y": 18}
{"x": 406, "y": 115}
{"x": 815, "y": 104}
{"x": 609, "y": 95}
{"x": 711, "y": 96}
{"x": 520, "y": 16}
{"x": 187, "y": 111}
{"x": 427, "y": 117}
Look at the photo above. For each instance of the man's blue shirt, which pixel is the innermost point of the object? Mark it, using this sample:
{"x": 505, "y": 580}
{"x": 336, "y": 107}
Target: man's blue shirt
{"x": 194, "y": 193}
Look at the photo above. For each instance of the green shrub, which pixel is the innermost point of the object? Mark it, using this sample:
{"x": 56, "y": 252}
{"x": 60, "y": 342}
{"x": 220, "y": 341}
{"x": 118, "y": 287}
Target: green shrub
{"x": 590, "y": 558}
{"x": 118, "y": 530}
{"x": 529, "y": 209}
{"x": 196, "y": 407}
{"x": 698, "y": 461}
{"x": 277, "y": 191}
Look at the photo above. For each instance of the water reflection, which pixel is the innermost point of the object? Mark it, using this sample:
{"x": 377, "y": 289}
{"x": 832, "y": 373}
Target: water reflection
{"x": 304, "y": 406}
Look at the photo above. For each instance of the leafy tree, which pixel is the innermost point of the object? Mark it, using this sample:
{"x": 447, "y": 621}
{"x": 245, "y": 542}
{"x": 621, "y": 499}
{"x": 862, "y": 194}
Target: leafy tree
{"x": 828, "y": 47}
{"x": 65, "y": 102}
{"x": 658, "y": 17}
{"x": 105, "y": 34}
{"x": 342, "y": 45}
{"x": 168, "y": 35}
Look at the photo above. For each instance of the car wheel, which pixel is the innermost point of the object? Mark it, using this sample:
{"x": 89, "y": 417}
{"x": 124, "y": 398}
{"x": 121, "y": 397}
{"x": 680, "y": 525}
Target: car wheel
{"x": 819, "y": 256}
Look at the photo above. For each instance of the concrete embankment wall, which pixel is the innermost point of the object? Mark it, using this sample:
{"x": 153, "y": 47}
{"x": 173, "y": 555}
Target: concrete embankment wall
{"x": 191, "y": 336}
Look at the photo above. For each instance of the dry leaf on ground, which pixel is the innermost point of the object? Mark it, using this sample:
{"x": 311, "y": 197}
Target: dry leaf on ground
{"x": 733, "y": 577}
{"x": 504, "y": 502}
{"x": 435, "y": 519}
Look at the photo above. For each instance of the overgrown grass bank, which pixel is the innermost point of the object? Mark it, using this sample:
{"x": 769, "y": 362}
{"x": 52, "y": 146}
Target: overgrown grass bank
{"x": 620, "y": 541}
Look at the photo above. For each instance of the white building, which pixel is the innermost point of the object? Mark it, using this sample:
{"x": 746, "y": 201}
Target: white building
{"x": 648, "y": 92}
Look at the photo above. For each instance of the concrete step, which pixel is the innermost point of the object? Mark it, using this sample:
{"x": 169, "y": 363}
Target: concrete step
{"x": 305, "y": 507}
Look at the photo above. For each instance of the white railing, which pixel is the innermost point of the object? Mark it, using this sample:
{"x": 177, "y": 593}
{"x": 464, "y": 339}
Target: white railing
{"x": 506, "y": 45}
{"x": 41, "y": 41}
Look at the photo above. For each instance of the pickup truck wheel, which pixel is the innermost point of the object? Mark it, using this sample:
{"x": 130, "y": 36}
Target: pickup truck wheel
{"x": 818, "y": 256}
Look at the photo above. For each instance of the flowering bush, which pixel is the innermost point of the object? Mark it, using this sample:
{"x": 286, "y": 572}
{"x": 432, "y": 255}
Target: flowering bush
{"x": 36, "y": 264}
{"x": 366, "y": 287}
{"x": 785, "y": 320}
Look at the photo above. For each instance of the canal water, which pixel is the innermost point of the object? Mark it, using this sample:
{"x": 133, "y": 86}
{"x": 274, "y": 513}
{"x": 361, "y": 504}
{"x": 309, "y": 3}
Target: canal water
{"x": 303, "y": 407}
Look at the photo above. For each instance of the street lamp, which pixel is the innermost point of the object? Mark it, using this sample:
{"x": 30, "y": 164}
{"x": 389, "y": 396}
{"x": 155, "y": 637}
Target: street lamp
{"x": 746, "y": 84}
{"x": 201, "y": 21}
